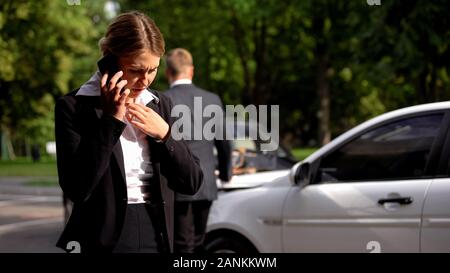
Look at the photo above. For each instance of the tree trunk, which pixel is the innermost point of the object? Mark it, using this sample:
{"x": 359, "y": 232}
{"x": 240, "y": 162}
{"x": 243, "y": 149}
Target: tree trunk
{"x": 323, "y": 92}
{"x": 261, "y": 90}
{"x": 322, "y": 80}
{"x": 7, "y": 147}
{"x": 238, "y": 35}
{"x": 422, "y": 86}
{"x": 432, "y": 84}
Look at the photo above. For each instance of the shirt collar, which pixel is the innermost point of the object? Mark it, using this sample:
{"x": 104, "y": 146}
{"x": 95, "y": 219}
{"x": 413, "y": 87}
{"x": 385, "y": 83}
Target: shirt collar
{"x": 92, "y": 88}
{"x": 180, "y": 81}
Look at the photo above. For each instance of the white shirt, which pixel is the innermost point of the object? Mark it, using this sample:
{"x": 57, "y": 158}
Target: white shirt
{"x": 136, "y": 158}
{"x": 180, "y": 81}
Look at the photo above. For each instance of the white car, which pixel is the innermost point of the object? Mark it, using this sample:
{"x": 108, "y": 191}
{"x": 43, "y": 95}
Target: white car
{"x": 245, "y": 181}
{"x": 383, "y": 186}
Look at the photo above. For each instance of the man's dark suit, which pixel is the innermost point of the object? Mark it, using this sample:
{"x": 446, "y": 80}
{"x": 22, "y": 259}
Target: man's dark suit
{"x": 91, "y": 172}
{"x": 197, "y": 206}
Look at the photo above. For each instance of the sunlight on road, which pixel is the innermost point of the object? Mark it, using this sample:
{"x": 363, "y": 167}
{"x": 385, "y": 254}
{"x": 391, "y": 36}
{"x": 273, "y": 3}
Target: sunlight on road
{"x": 30, "y": 223}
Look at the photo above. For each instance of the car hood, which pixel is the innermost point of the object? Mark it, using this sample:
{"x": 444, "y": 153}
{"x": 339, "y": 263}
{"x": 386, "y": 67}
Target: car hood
{"x": 246, "y": 181}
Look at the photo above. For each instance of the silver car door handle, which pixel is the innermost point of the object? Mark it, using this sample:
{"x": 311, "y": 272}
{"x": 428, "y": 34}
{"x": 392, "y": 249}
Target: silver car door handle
{"x": 400, "y": 200}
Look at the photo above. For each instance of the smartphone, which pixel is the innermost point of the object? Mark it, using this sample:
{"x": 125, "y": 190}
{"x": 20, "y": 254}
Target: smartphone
{"x": 109, "y": 63}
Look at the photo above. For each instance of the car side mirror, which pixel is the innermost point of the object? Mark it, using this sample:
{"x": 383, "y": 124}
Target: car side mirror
{"x": 300, "y": 174}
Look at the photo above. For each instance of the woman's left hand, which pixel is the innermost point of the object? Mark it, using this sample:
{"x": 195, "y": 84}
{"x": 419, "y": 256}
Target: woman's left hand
{"x": 147, "y": 120}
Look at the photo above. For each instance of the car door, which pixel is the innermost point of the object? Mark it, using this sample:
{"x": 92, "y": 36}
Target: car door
{"x": 435, "y": 234}
{"x": 367, "y": 193}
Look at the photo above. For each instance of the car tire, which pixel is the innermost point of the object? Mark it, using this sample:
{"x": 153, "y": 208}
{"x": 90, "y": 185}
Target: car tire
{"x": 229, "y": 245}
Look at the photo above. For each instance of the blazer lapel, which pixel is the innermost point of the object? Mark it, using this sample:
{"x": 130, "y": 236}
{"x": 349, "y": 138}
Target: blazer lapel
{"x": 94, "y": 104}
{"x": 154, "y": 105}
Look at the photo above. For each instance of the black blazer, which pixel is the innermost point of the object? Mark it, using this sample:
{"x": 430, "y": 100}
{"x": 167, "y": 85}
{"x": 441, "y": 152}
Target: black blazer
{"x": 91, "y": 172}
{"x": 184, "y": 94}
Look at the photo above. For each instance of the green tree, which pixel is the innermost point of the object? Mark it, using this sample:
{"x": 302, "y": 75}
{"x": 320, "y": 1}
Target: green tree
{"x": 43, "y": 48}
{"x": 409, "y": 47}
{"x": 329, "y": 64}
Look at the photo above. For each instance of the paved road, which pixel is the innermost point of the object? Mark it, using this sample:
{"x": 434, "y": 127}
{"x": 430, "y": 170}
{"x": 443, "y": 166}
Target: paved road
{"x": 31, "y": 219}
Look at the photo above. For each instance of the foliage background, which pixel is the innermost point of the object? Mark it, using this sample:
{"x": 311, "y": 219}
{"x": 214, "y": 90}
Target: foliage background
{"x": 329, "y": 64}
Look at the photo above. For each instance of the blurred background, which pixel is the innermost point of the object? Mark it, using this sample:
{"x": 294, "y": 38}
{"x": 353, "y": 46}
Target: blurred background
{"x": 329, "y": 65}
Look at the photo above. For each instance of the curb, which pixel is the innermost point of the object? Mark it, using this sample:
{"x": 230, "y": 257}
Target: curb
{"x": 29, "y": 190}
{"x": 16, "y": 185}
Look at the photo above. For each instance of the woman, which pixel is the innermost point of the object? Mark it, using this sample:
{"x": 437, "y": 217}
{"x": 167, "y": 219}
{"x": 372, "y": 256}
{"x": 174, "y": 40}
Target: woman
{"x": 116, "y": 159}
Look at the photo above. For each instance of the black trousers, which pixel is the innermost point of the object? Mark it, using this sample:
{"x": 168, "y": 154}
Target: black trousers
{"x": 190, "y": 225}
{"x": 139, "y": 234}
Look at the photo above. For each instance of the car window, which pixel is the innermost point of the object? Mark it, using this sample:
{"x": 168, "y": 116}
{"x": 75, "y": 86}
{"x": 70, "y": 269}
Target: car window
{"x": 398, "y": 150}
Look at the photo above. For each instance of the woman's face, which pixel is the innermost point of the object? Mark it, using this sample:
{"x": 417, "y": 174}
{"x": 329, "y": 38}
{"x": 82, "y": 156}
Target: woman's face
{"x": 139, "y": 70}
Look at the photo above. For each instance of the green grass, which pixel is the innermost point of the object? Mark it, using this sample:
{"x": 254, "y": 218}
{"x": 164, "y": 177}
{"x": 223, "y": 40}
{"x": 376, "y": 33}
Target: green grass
{"x": 302, "y": 153}
{"x": 26, "y": 167}
{"x": 47, "y": 166}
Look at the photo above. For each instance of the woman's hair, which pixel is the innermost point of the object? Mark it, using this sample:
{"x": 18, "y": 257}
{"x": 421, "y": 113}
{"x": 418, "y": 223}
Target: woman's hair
{"x": 130, "y": 33}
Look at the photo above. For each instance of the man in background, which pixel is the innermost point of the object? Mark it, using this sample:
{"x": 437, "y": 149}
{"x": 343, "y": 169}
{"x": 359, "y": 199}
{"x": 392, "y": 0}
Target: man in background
{"x": 191, "y": 212}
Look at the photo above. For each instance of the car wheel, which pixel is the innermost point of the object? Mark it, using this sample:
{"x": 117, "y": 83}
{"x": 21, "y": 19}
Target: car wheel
{"x": 229, "y": 245}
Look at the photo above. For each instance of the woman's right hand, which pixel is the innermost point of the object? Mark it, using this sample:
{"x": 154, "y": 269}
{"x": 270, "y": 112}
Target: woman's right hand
{"x": 113, "y": 101}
